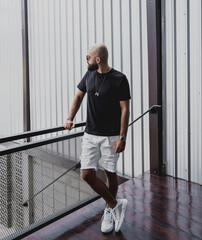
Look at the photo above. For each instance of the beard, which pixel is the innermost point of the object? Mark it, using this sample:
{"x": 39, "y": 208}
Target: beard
{"x": 92, "y": 67}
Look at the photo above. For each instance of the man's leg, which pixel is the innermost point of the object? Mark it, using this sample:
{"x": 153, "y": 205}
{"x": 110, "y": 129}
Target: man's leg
{"x": 92, "y": 150}
{"x": 112, "y": 182}
{"x": 118, "y": 208}
{"x": 89, "y": 175}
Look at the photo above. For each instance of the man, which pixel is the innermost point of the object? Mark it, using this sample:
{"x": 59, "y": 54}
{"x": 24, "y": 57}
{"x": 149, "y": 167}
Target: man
{"x": 108, "y": 99}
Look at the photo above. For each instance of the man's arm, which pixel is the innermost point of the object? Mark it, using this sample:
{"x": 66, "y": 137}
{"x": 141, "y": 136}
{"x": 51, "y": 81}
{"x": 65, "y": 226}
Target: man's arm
{"x": 125, "y": 113}
{"x": 74, "y": 109}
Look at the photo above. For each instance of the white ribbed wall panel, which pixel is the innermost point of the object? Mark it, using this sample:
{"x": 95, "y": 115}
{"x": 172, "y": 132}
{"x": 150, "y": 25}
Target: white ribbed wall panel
{"x": 11, "y": 79}
{"x": 60, "y": 33}
{"x": 183, "y": 24}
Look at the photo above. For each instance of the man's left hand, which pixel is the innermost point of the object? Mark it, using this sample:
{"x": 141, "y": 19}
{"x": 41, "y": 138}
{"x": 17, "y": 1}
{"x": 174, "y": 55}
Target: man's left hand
{"x": 120, "y": 146}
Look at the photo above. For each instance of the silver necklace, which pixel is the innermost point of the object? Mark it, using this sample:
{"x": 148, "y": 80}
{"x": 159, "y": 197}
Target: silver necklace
{"x": 97, "y": 91}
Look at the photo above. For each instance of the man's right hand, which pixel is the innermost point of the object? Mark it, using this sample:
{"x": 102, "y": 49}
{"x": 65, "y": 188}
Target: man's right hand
{"x": 69, "y": 125}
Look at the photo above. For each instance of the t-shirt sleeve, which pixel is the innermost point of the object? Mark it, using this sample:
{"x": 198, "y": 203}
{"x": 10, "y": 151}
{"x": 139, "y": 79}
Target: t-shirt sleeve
{"x": 124, "y": 90}
{"x": 82, "y": 84}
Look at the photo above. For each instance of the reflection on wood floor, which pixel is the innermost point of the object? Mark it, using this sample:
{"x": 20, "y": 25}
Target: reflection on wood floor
{"x": 159, "y": 208}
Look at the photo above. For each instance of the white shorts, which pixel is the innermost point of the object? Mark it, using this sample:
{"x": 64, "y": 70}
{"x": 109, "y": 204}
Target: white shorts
{"x": 94, "y": 148}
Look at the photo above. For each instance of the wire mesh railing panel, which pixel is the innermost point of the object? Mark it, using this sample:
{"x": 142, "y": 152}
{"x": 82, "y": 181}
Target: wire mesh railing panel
{"x": 38, "y": 183}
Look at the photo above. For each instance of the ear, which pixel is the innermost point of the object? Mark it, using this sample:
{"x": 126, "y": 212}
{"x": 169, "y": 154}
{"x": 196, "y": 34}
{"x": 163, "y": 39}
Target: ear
{"x": 97, "y": 60}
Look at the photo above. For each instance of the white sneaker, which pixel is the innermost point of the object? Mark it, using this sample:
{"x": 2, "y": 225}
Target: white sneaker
{"x": 118, "y": 213}
{"x": 107, "y": 221}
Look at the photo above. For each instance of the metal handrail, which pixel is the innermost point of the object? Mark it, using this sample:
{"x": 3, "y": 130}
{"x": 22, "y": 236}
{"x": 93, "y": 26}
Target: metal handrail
{"x": 154, "y": 107}
{"x": 30, "y": 145}
{"x": 29, "y": 134}
{"x": 55, "y": 139}
{"x": 25, "y": 204}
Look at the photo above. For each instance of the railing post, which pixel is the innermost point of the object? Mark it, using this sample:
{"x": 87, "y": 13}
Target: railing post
{"x": 155, "y": 83}
{"x": 25, "y": 59}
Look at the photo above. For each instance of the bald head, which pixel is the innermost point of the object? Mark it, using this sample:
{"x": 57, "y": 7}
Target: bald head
{"x": 100, "y": 50}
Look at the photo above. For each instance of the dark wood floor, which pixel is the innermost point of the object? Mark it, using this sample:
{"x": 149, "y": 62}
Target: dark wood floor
{"x": 159, "y": 208}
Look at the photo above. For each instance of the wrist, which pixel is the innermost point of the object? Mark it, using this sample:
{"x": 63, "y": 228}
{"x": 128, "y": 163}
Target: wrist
{"x": 69, "y": 120}
{"x": 122, "y": 138}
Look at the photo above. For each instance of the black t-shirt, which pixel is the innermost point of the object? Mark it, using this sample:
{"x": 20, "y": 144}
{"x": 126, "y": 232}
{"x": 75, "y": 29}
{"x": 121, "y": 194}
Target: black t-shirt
{"x": 104, "y": 111}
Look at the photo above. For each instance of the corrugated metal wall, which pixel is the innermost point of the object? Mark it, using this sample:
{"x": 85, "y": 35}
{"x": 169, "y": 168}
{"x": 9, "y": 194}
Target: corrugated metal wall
{"x": 182, "y": 30}
{"x": 60, "y": 33}
{"x": 11, "y": 82}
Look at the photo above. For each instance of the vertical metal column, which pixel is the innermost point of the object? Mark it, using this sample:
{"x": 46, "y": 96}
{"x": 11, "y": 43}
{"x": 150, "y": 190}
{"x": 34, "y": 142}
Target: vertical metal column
{"x": 25, "y": 48}
{"x": 26, "y": 108}
{"x": 155, "y": 83}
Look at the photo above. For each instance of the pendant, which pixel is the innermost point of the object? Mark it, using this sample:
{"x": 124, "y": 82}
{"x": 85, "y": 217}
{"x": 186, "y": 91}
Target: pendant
{"x": 97, "y": 94}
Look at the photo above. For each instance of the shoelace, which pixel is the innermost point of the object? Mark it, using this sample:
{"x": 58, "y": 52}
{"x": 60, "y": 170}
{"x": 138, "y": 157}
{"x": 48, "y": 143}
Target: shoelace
{"x": 107, "y": 215}
{"x": 114, "y": 214}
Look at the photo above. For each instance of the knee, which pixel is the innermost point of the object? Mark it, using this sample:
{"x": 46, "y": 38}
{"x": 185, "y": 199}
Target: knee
{"x": 88, "y": 175}
{"x": 112, "y": 177}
